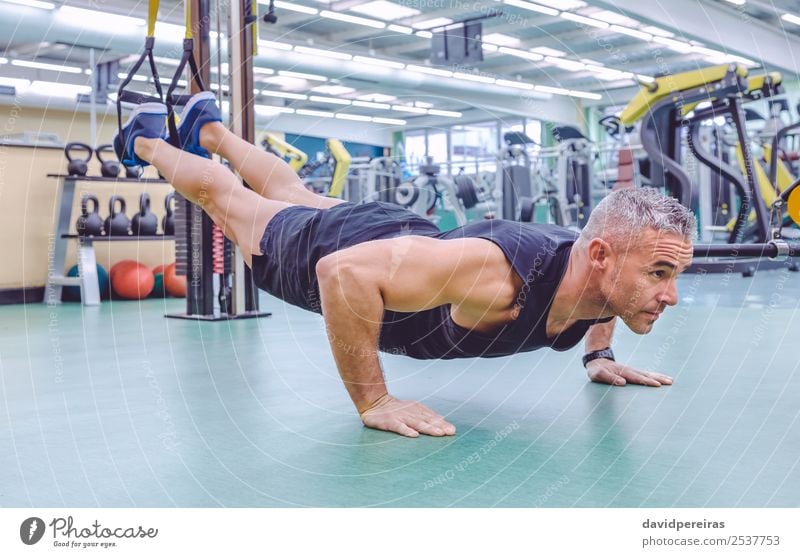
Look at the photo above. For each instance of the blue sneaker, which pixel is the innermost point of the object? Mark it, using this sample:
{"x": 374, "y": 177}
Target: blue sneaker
{"x": 147, "y": 120}
{"x": 199, "y": 111}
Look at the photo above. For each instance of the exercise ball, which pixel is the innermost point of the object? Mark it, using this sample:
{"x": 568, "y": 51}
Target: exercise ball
{"x": 133, "y": 282}
{"x": 124, "y": 264}
{"x": 73, "y": 293}
{"x": 158, "y": 285}
{"x": 175, "y": 285}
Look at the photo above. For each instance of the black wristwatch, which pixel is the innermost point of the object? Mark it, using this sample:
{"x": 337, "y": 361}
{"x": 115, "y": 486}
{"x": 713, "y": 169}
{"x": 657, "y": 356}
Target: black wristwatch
{"x": 606, "y": 353}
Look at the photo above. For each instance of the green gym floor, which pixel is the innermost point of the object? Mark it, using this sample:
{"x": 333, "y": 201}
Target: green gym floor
{"x": 116, "y": 406}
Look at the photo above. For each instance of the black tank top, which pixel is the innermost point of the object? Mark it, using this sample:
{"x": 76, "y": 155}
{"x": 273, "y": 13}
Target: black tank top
{"x": 539, "y": 255}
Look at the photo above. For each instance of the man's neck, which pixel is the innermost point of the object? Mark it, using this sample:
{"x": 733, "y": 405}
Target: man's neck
{"x": 576, "y": 297}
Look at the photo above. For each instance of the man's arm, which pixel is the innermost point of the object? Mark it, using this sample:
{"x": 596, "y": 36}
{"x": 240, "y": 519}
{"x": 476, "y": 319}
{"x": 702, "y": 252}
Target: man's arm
{"x": 607, "y": 371}
{"x": 410, "y": 273}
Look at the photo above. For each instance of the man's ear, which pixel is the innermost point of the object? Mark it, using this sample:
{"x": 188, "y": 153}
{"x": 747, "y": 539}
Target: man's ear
{"x": 600, "y": 254}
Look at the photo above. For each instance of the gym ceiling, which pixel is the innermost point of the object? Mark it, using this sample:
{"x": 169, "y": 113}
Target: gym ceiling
{"x": 370, "y": 58}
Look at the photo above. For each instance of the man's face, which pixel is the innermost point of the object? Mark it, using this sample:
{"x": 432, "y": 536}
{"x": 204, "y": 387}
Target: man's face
{"x": 642, "y": 280}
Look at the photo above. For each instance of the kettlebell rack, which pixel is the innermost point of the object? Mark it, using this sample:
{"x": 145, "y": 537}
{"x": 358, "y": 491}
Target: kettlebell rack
{"x": 87, "y": 262}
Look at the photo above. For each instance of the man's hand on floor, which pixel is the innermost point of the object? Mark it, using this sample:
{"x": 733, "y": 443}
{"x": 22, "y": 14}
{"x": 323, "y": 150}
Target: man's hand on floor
{"x": 613, "y": 373}
{"x": 406, "y": 418}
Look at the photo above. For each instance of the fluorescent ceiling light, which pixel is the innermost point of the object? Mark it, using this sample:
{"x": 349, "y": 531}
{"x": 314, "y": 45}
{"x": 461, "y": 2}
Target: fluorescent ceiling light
{"x": 585, "y": 95}
{"x": 377, "y": 98}
{"x": 379, "y": 62}
{"x": 514, "y": 84}
{"x": 287, "y": 82}
{"x": 400, "y": 29}
{"x": 632, "y": 32}
{"x": 552, "y": 90}
{"x": 333, "y": 89}
{"x": 501, "y": 40}
{"x": 368, "y": 104}
{"x": 423, "y": 104}
{"x": 532, "y": 56}
{"x": 322, "y": 52}
{"x": 296, "y": 7}
{"x": 486, "y": 47}
{"x": 317, "y": 113}
{"x": 284, "y": 95}
{"x": 169, "y": 31}
{"x": 429, "y": 70}
{"x": 328, "y": 100}
{"x": 424, "y": 34}
{"x": 432, "y": 23}
{"x": 741, "y": 60}
{"x": 214, "y": 86}
{"x": 354, "y": 117}
{"x": 55, "y": 89}
{"x": 266, "y": 110}
{"x": 95, "y": 18}
{"x": 737, "y": 2}
{"x": 275, "y": 45}
{"x": 412, "y": 109}
{"x": 563, "y": 4}
{"x": 672, "y": 44}
{"x": 353, "y": 19}
{"x": 570, "y": 65}
{"x": 614, "y": 17}
{"x": 43, "y": 66}
{"x": 708, "y": 51}
{"x": 263, "y": 71}
{"x": 657, "y": 31}
{"x": 532, "y": 7}
{"x": 300, "y": 75}
{"x": 390, "y": 121}
{"x": 33, "y": 4}
{"x": 791, "y": 18}
{"x": 387, "y": 10}
{"x": 473, "y": 77}
{"x": 546, "y": 51}
{"x": 167, "y": 61}
{"x": 3, "y": 60}
{"x": 584, "y": 20}
{"x": 448, "y": 113}
{"x": 14, "y": 82}
{"x": 134, "y": 78}
{"x": 645, "y": 78}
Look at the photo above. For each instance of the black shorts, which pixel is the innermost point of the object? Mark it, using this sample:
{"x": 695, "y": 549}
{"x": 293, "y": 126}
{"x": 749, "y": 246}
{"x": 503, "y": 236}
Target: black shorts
{"x": 297, "y": 237}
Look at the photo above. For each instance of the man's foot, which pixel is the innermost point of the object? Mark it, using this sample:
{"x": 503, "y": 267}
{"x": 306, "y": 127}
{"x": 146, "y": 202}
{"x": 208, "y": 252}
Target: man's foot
{"x": 199, "y": 111}
{"x": 147, "y": 120}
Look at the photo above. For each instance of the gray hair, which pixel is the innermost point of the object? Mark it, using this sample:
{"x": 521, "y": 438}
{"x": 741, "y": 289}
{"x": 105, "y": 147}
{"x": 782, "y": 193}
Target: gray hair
{"x": 624, "y": 214}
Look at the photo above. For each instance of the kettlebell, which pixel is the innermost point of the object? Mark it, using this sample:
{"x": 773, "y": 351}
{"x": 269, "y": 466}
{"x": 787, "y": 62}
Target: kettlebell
{"x": 144, "y": 223}
{"x": 89, "y": 223}
{"x": 168, "y": 222}
{"x": 108, "y": 168}
{"x": 117, "y": 223}
{"x": 77, "y": 166}
{"x": 133, "y": 172}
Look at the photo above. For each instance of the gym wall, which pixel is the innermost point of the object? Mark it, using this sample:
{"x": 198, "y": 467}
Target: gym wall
{"x": 28, "y": 198}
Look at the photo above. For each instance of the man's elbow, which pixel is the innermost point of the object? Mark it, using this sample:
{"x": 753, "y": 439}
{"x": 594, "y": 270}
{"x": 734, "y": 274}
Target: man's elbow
{"x": 341, "y": 269}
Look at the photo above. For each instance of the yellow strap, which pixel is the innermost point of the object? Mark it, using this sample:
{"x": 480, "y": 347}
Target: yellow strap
{"x": 188, "y": 4}
{"x": 254, "y": 28}
{"x": 152, "y": 15}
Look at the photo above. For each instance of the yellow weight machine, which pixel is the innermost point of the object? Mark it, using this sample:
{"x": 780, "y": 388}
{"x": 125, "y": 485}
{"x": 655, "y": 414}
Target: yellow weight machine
{"x": 336, "y": 156}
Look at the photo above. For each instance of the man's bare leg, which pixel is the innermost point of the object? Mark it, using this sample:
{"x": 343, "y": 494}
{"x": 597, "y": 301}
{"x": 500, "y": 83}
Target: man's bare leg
{"x": 239, "y": 212}
{"x": 268, "y": 175}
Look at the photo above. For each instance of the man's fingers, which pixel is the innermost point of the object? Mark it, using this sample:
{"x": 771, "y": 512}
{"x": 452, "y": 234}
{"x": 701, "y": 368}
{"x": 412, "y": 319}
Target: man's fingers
{"x": 403, "y": 429}
{"x": 425, "y": 427}
{"x": 605, "y": 376}
{"x": 642, "y": 378}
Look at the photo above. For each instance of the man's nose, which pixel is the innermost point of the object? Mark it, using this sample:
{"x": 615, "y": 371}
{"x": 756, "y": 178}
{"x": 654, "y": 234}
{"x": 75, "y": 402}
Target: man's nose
{"x": 669, "y": 296}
